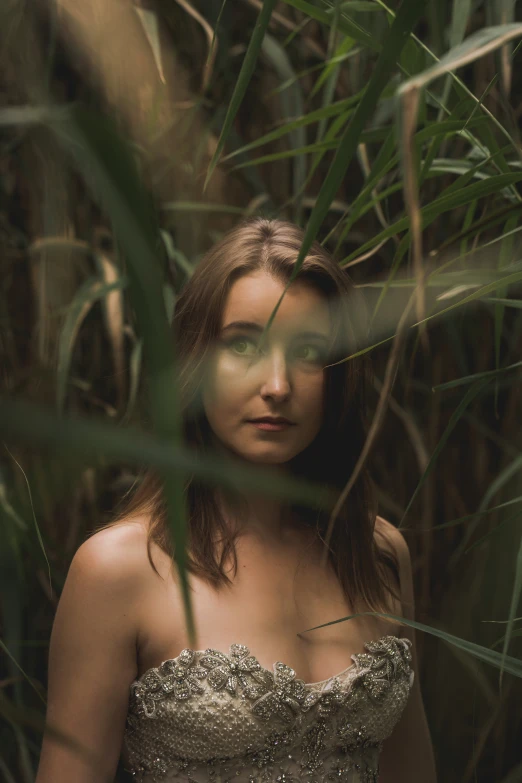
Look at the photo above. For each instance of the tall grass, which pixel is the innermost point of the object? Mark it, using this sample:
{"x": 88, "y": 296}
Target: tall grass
{"x": 391, "y": 134}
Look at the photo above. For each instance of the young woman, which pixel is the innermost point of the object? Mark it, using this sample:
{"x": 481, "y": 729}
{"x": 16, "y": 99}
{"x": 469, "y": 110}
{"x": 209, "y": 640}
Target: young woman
{"x": 260, "y": 700}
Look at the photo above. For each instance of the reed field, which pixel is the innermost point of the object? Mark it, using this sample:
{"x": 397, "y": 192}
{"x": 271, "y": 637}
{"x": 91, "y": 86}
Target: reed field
{"x": 133, "y": 136}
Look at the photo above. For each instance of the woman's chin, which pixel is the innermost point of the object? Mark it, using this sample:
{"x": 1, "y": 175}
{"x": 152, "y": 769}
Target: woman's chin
{"x": 274, "y": 457}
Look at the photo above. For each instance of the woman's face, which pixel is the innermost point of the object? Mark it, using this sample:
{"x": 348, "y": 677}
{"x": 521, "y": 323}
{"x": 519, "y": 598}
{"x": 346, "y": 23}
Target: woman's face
{"x": 286, "y": 379}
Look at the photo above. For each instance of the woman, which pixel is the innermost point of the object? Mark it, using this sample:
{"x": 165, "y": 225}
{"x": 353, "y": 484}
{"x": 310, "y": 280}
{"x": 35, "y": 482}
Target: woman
{"x": 122, "y": 675}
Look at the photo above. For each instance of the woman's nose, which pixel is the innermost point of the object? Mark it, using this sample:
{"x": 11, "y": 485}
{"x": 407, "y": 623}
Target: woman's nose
{"x": 276, "y": 382}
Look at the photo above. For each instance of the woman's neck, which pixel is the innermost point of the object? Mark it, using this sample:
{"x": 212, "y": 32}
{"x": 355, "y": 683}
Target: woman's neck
{"x": 261, "y": 516}
{"x": 257, "y": 512}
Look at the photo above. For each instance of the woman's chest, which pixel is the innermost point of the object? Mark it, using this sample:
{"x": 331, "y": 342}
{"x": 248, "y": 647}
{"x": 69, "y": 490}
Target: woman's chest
{"x": 275, "y": 598}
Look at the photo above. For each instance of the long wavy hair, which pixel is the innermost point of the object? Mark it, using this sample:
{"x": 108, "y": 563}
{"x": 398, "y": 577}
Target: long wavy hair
{"x": 362, "y": 567}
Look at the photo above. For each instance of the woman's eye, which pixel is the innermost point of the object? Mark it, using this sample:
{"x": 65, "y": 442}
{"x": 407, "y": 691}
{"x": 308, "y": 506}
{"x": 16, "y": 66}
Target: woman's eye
{"x": 311, "y": 353}
{"x": 241, "y": 346}
{"x": 244, "y": 346}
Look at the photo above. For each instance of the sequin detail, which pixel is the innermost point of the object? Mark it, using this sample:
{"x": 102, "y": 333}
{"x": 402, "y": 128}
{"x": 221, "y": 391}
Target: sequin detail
{"x": 213, "y": 717}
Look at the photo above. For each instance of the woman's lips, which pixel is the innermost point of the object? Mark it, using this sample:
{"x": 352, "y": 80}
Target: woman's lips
{"x": 271, "y": 427}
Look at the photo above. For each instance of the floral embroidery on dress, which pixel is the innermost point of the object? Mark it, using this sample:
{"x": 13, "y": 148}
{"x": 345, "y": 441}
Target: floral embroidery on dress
{"x": 284, "y": 695}
{"x": 312, "y": 745}
{"x": 352, "y": 736}
{"x": 176, "y": 677}
{"x": 275, "y": 743}
{"x": 331, "y": 699}
{"x": 389, "y": 658}
{"x": 325, "y": 734}
{"x": 229, "y": 670}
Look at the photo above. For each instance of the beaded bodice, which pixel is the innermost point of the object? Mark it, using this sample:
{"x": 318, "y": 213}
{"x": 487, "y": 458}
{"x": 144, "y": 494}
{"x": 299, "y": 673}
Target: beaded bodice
{"x": 211, "y": 717}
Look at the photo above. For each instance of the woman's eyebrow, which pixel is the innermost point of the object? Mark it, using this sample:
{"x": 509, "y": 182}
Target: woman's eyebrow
{"x": 254, "y": 327}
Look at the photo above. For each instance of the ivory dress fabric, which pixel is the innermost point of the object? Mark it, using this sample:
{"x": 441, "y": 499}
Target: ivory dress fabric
{"x": 214, "y": 717}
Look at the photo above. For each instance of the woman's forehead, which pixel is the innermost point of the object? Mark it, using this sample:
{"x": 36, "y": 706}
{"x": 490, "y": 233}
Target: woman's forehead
{"x": 253, "y": 297}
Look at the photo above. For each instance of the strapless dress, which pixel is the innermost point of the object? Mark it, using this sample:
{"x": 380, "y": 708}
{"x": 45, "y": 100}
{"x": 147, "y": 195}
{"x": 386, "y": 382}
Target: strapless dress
{"x": 212, "y": 717}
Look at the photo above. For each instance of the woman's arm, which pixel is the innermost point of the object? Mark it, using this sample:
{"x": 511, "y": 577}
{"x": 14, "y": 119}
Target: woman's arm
{"x": 92, "y": 657}
{"x": 407, "y": 754}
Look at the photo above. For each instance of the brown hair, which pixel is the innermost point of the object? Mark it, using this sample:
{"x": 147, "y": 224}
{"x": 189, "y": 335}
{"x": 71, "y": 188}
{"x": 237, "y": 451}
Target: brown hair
{"x": 273, "y": 246}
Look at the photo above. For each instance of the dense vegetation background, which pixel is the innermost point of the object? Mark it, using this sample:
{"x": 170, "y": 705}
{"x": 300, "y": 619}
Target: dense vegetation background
{"x": 132, "y": 137}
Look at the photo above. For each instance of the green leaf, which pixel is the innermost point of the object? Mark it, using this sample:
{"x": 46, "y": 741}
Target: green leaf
{"x": 409, "y": 13}
{"x": 333, "y": 110}
{"x": 492, "y": 532}
{"x": 509, "y": 663}
{"x": 201, "y": 206}
{"x": 21, "y": 670}
{"x": 243, "y": 81}
{"x": 484, "y": 512}
{"x": 500, "y": 283}
{"x": 479, "y": 43}
{"x": 99, "y": 439}
{"x": 292, "y": 106}
{"x": 476, "y": 376}
{"x": 176, "y": 255}
{"x": 109, "y": 168}
{"x": 385, "y": 162}
{"x": 134, "y": 378}
{"x": 150, "y": 24}
{"x": 88, "y": 293}
{"x": 461, "y": 11}
{"x": 470, "y": 395}
{"x": 514, "y": 278}
{"x": 332, "y": 64}
{"x": 360, "y": 5}
{"x": 36, "y": 525}
{"x": 345, "y": 25}
{"x": 444, "y": 203}
{"x": 500, "y": 481}
{"x": 323, "y": 146}
{"x": 516, "y": 303}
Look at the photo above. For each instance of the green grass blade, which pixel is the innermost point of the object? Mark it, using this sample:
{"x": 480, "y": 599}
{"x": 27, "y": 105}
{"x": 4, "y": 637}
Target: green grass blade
{"x": 243, "y": 81}
{"x": 476, "y": 376}
{"x": 470, "y": 395}
{"x": 291, "y": 101}
{"x": 99, "y": 439}
{"x": 322, "y": 146}
{"x": 461, "y": 11}
{"x": 514, "y": 602}
{"x": 385, "y": 162}
{"x": 36, "y": 525}
{"x": 500, "y": 283}
{"x": 458, "y": 83}
{"x": 500, "y": 481}
{"x": 333, "y": 110}
{"x": 332, "y": 64}
{"x": 409, "y": 13}
{"x": 201, "y": 206}
{"x": 490, "y": 533}
{"x": 21, "y": 670}
{"x": 512, "y": 665}
{"x": 345, "y": 25}
{"x": 175, "y": 254}
{"x": 88, "y": 293}
{"x": 474, "y": 46}
{"x": 504, "y": 258}
{"x": 439, "y": 206}
{"x": 466, "y": 517}
{"x": 110, "y": 171}
{"x": 134, "y": 379}
{"x": 516, "y": 303}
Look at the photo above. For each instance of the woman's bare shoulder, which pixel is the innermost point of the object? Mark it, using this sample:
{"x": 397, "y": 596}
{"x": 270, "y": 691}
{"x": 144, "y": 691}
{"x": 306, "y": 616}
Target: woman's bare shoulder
{"x": 117, "y": 552}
